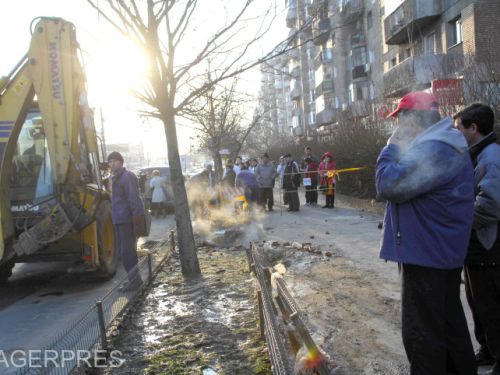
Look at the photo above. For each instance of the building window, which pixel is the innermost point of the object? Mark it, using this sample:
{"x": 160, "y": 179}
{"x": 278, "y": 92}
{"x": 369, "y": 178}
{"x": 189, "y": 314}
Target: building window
{"x": 358, "y": 56}
{"x": 369, "y": 20}
{"x": 456, "y": 31}
{"x": 359, "y": 91}
{"x": 429, "y": 44}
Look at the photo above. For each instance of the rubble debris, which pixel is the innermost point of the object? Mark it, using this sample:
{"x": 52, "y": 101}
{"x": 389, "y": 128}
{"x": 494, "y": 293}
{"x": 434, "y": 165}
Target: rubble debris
{"x": 297, "y": 245}
{"x": 328, "y": 254}
{"x": 280, "y": 268}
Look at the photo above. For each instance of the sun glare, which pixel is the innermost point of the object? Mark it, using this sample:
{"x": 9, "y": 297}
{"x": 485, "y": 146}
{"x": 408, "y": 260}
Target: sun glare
{"x": 117, "y": 67}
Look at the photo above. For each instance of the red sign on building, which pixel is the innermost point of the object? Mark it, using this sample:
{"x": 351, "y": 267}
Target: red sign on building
{"x": 447, "y": 91}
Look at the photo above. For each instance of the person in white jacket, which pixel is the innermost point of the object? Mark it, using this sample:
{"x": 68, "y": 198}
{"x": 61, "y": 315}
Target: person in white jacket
{"x": 158, "y": 197}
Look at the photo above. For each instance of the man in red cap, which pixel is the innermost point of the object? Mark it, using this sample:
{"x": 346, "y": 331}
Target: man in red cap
{"x": 426, "y": 176}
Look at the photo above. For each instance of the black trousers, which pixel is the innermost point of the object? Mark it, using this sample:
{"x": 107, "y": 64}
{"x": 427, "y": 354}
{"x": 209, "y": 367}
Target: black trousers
{"x": 311, "y": 194}
{"x": 435, "y": 333}
{"x": 292, "y": 197}
{"x": 482, "y": 286}
{"x": 266, "y": 197}
{"x": 330, "y": 200}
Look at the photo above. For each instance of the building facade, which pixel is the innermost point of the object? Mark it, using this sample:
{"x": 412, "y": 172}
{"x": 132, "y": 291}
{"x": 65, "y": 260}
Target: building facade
{"x": 351, "y": 60}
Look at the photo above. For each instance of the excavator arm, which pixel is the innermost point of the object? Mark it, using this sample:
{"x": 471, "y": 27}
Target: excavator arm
{"x": 52, "y": 74}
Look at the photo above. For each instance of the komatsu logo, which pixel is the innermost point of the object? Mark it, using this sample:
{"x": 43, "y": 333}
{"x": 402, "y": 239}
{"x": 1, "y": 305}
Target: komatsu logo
{"x": 55, "y": 70}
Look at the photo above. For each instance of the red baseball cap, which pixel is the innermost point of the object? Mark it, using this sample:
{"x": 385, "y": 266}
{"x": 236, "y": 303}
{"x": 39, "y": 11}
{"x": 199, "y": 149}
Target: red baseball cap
{"x": 418, "y": 100}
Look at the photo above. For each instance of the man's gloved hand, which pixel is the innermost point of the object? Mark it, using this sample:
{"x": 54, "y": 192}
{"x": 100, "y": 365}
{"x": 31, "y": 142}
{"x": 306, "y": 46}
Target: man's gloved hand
{"x": 139, "y": 226}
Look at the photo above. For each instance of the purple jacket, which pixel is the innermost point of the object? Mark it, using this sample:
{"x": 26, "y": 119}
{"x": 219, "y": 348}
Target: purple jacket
{"x": 246, "y": 179}
{"x": 125, "y": 199}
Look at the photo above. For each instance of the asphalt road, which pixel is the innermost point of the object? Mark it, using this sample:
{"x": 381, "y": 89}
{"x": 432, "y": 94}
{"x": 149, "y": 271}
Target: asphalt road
{"x": 43, "y": 300}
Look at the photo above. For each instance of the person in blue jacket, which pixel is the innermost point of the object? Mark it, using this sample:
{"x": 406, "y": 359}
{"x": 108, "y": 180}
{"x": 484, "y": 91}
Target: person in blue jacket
{"x": 482, "y": 264}
{"x": 426, "y": 176}
{"x": 127, "y": 214}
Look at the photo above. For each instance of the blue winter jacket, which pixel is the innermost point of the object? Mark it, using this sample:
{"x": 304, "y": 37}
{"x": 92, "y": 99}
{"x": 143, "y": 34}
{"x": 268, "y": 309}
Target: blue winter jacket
{"x": 430, "y": 192}
{"x": 125, "y": 199}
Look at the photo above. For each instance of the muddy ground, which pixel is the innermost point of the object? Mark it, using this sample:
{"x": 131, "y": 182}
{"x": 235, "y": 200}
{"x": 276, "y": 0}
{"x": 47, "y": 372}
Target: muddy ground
{"x": 347, "y": 315}
{"x": 203, "y": 326}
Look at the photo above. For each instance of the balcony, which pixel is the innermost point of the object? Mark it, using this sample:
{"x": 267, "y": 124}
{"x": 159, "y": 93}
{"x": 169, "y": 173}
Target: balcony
{"x": 323, "y": 56}
{"x": 409, "y": 19}
{"x": 291, "y": 17}
{"x": 321, "y": 31}
{"x": 358, "y": 39}
{"x": 325, "y": 86}
{"x": 296, "y": 92}
{"x": 351, "y": 9}
{"x": 418, "y": 72}
{"x": 326, "y": 116}
{"x": 359, "y": 71}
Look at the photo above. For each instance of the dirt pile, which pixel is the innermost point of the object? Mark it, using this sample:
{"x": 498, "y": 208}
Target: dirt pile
{"x": 351, "y": 320}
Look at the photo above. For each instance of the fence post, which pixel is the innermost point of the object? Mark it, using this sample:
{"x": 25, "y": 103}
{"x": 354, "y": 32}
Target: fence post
{"x": 102, "y": 326}
{"x": 261, "y": 314}
{"x": 150, "y": 267}
{"x": 172, "y": 240}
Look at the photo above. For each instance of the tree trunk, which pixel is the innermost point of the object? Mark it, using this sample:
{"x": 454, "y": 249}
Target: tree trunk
{"x": 187, "y": 247}
{"x": 218, "y": 167}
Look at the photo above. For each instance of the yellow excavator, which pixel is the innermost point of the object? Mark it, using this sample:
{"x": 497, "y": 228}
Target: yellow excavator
{"x": 54, "y": 205}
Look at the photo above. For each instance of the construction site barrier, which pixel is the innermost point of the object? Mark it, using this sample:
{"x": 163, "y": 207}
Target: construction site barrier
{"x": 281, "y": 322}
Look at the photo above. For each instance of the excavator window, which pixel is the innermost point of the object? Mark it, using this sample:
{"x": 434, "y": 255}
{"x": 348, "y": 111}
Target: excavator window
{"x": 32, "y": 178}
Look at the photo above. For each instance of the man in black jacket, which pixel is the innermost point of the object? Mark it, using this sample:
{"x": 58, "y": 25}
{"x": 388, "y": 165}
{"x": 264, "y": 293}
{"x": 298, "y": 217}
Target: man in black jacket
{"x": 291, "y": 183}
{"x": 482, "y": 264}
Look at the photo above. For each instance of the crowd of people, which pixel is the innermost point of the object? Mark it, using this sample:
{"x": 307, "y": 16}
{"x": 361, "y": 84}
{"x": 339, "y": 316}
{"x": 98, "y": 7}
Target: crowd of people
{"x": 257, "y": 178}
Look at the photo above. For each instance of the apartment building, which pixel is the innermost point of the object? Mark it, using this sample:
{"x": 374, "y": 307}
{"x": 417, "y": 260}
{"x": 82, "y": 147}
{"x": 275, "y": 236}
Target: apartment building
{"x": 444, "y": 46}
{"x": 301, "y": 67}
{"x": 354, "y": 57}
{"x": 275, "y": 94}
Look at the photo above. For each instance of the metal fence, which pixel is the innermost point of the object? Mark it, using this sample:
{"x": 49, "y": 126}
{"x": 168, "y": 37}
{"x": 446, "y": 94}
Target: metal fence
{"x": 282, "y": 323}
{"x": 85, "y": 341}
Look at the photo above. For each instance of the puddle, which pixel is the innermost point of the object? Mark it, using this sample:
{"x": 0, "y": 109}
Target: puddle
{"x": 209, "y": 371}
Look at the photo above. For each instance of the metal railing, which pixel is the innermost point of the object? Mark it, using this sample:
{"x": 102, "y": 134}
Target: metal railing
{"x": 279, "y": 312}
{"x": 88, "y": 335}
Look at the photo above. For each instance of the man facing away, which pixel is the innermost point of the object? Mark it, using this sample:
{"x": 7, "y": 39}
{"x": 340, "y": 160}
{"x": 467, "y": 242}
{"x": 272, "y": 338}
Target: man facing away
{"x": 266, "y": 174}
{"x": 482, "y": 264}
{"x": 127, "y": 212}
{"x": 291, "y": 183}
{"x": 426, "y": 176}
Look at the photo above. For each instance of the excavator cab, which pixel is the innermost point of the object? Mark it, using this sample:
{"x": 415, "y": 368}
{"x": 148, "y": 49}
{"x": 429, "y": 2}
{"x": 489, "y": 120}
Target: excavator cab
{"x": 53, "y": 203}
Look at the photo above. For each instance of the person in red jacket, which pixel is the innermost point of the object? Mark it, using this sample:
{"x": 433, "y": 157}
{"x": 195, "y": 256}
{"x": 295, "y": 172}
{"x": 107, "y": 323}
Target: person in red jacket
{"x": 327, "y": 174}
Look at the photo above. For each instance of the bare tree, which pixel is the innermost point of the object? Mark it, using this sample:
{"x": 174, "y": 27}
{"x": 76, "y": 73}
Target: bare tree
{"x": 160, "y": 28}
{"x": 219, "y": 117}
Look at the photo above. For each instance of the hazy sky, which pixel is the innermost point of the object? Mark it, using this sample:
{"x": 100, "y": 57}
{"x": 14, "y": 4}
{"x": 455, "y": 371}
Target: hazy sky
{"x": 113, "y": 65}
